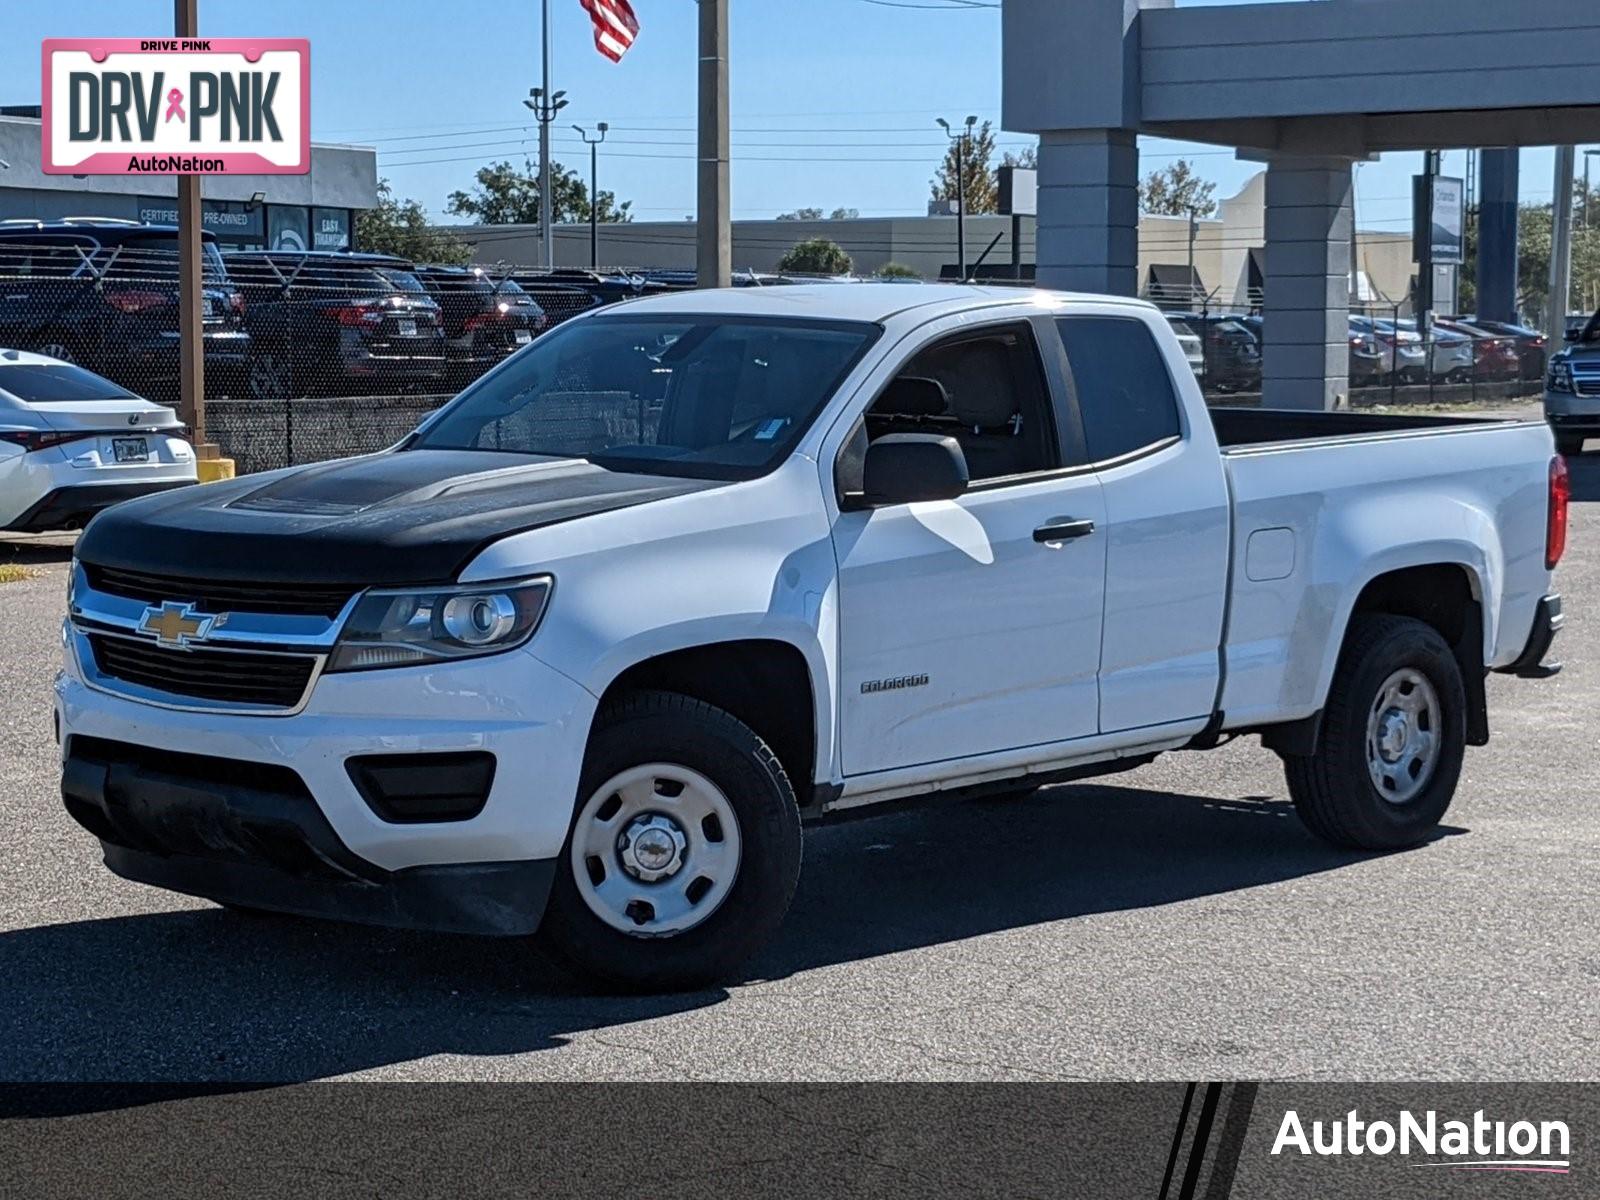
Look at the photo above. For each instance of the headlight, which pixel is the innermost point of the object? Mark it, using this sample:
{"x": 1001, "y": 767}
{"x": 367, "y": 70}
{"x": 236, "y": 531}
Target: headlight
{"x": 1560, "y": 376}
{"x": 406, "y": 627}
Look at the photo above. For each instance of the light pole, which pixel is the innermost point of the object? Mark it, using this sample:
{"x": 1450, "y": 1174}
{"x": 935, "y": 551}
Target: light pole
{"x": 545, "y": 105}
{"x": 959, "y": 137}
{"x": 1588, "y": 156}
{"x": 594, "y": 190}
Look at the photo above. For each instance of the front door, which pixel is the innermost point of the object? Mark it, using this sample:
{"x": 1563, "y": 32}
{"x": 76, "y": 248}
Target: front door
{"x": 972, "y": 625}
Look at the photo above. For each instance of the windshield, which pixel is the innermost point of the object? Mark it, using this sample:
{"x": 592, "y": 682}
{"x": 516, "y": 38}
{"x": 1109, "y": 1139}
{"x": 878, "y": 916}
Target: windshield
{"x": 710, "y": 397}
{"x": 39, "y": 383}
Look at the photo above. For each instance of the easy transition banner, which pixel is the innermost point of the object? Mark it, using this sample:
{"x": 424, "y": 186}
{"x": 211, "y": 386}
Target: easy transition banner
{"x": 1167, "y": 1141}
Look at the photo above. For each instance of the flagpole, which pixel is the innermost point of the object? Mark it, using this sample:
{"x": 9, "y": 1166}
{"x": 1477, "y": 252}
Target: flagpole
{"x": 545, "y": 117}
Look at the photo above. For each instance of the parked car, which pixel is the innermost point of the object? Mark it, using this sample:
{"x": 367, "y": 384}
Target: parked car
{"x": 335, "y": 323}
{"x": 561, "y": 663}
{"x": 485, "y": 319}
{"x": 1572, "y": 388}
{"x": 104, "y": 294}
{"x": 1533, "y": 347}
{"x": 1495, "y": 359}
{"x": 1189, "y": 340}
{"x": 1404, "y": 359}
{"x": 1232, "y": 353}
{"x": 1451, "y": 351}
{"x": 1370, "y": 361}
{"x": 73, "y": 442}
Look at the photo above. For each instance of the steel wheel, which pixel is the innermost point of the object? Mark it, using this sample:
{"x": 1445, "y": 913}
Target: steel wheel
{"x": 655, "y": 850}
{"x": 1403, "y": 736}
{"x": 58, "y": 350}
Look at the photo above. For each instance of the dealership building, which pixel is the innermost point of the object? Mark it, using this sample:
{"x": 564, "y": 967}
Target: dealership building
{"x": 315, "y": 211}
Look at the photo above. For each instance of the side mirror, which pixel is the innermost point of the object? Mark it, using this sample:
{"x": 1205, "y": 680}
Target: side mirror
{"x": 1571, "y": 334}
{"x": 903, "y": 468}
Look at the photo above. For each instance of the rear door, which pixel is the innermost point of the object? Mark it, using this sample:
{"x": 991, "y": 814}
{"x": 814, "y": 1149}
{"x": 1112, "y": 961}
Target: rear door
{"x": 1167, "y": 521}
{"x": 965, "y": 627}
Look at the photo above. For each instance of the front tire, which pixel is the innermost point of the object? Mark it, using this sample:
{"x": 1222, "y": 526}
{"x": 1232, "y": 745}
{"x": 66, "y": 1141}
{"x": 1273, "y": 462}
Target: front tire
{"x": 1393, "y": 738}
{"x": 684, "y": 850}
{"x": 1569, "y": 444}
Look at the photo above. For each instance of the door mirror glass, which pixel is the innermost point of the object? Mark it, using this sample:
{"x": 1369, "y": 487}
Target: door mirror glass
{"x": 903, "y": 468}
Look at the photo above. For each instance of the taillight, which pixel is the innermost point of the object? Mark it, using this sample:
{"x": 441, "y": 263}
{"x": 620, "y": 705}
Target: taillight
{"x": 236, "y": 302}
{"x": 136, "y": 301}
{"x": 1555, "y": 533}
{"x": 31, "y": 440}
{"x": 357, "y": 314}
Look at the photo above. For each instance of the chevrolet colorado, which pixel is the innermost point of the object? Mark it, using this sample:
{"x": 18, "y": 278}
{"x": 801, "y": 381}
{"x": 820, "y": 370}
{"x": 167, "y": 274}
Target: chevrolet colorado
{"x": 579, "y": 655}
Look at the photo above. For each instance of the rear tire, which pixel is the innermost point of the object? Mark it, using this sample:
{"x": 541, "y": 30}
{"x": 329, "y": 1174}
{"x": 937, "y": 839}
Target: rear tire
{"x": 662, "y": 768}
{"x": 1392, "y": 742}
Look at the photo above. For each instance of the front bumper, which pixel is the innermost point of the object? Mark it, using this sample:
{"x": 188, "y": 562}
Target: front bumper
{"x": 254, "y": 836}
{"x": 195, "y": 790}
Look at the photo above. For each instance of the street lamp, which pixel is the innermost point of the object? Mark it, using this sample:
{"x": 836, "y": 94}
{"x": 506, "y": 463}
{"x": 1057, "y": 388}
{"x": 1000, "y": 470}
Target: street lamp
{"x": 959, "y": 137}
{"x": 594, "y": 190}
{"x": 545, "y": 105}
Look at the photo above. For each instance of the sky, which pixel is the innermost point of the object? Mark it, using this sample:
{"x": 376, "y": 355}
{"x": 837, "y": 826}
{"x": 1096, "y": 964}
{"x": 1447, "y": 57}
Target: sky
{"x": 833, "y": 101}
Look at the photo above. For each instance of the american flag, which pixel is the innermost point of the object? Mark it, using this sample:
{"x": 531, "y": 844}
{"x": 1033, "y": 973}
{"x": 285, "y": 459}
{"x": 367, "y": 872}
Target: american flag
{"x": 615, "y": 26}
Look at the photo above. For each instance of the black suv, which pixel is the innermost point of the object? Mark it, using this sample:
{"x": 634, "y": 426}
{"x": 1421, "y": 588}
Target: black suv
{"x": 1232, "y": 351}
{"x": 333, "y": 323}
{"x": 103, "y": 294}
{"x": 485, "y": 318}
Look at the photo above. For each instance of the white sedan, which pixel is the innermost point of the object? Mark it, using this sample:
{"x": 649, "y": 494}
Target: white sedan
{"x": 72, "y": 442}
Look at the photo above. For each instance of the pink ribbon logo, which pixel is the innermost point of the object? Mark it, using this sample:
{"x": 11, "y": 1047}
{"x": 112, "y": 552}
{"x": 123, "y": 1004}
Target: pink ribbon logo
{"x": 175, "y": 105}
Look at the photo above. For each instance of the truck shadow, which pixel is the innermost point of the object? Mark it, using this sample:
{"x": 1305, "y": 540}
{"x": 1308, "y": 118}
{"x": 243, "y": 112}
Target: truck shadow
{"x": 204, "y": 996}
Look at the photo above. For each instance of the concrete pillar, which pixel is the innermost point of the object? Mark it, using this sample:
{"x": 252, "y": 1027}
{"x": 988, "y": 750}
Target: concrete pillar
{"x": 1497, "y": 235}
{"x": 1088, "y": 225}
{"x": 1306, "y": 360}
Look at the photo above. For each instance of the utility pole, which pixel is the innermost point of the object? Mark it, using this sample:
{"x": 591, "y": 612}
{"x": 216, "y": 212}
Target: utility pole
{"x": 714, "y": 252}
{"x": 1424, "y": 217}
{"x": 594, "y": 190}
{"x": 191, "y": 343}
{"x": 960, "y": 139}
{"x": 1193, "y": 229}
{"x": 545, "y": 105}
{"x": 1561, "y": 248}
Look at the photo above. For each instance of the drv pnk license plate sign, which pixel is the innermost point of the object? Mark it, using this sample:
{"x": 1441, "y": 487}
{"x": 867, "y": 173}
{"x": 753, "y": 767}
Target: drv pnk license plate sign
{"x": 170, "y": 106}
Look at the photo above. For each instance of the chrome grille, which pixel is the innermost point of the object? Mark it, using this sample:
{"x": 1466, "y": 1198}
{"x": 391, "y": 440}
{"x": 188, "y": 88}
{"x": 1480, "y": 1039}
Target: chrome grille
{"x": 223, "y": 676}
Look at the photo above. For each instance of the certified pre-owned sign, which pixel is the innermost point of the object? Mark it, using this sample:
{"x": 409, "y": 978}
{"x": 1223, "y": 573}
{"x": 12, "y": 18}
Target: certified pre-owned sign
{"x": 165, "y": 106}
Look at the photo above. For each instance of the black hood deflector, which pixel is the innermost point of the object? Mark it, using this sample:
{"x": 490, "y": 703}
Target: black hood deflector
{"x": 413, "y": 516}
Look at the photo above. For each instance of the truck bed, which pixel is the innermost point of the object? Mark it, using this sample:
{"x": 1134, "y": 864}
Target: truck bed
{"x": 1238, "y": 427}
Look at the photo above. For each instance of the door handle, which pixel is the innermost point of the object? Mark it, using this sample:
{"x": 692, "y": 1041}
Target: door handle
{"x": 1062, "y": 529}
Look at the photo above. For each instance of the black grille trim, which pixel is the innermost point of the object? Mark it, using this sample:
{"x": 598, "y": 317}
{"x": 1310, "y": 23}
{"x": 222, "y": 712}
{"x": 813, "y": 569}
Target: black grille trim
{"x": 215, "y": 596}
{"x": 223, "y": 676}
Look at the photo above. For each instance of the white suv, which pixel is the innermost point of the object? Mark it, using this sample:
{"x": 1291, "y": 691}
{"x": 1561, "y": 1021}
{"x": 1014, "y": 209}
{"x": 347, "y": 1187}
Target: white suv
{"x": 72, "y": 442}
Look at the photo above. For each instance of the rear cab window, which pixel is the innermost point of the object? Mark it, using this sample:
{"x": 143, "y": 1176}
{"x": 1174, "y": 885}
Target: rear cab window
{"x": 1125, "y": 393}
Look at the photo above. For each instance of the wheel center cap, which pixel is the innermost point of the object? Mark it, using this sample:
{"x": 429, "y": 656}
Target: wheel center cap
{"x": 1394, "y": 733}
{"x": 651, "y": 847}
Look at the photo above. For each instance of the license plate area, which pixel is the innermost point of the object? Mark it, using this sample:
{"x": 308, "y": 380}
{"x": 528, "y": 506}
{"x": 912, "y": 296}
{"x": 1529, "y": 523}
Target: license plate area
{"x": 523, "y": 336}
{"x": 406, "y": 326}
{"x": 130, "y": 449}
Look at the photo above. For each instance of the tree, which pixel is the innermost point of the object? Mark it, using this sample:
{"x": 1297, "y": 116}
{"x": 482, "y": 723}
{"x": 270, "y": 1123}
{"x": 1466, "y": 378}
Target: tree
{"x": 802, "y": 214}
{"x": 401, "y": 228}
{"x": 1176, "y": 191}
{"x": 976, "y": 173}
{"x": 816, "y": 256}
{"x": 1027, "y": 157}
{"x": 894, "y": 270}
{"x": 506, "y": 196}
{"x": 844, "y": 214}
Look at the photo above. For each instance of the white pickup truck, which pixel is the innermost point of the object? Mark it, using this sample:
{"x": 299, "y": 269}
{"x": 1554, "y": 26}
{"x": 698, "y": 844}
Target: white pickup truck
{"x": 581, "y": 654}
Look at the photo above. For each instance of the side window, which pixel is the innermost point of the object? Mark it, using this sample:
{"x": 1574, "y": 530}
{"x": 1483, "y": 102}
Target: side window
{"x": 987, "y": 390}
{"x": 1124, "y": 389}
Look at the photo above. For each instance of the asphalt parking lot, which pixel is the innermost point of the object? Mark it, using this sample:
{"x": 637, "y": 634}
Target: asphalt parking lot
{"x": 1177, "y": 923}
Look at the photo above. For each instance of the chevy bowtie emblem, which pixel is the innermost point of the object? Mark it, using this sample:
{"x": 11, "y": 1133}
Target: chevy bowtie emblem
{"x": 176, "y": 625}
